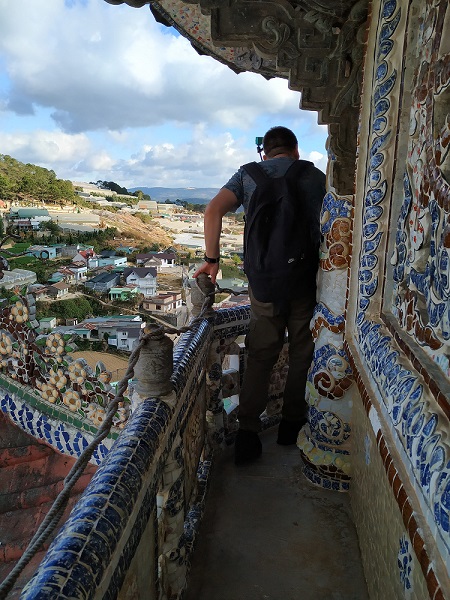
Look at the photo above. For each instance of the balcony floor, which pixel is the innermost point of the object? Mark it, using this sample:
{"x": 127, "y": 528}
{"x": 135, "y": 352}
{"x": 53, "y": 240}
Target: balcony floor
{"x": 268, "y": 534}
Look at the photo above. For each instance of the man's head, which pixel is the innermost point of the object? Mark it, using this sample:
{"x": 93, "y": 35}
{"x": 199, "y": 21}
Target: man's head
{"x": 280, "y": 140}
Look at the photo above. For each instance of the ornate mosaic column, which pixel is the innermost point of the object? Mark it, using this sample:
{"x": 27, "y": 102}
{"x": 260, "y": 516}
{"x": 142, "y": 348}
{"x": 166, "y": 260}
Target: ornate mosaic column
{"x": 324, "y": 442}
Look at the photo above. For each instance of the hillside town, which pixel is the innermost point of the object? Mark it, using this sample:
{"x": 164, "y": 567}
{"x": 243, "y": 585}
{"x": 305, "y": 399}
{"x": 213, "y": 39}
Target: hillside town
{"x": 136, "y": 268}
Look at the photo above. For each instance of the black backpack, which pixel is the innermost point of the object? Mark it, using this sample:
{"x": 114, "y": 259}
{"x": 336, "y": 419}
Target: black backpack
{"x": 281, "y": 235}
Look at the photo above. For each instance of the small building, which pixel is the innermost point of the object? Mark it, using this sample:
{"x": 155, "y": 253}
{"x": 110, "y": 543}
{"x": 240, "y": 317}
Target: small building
{"x": 103, "y": 283}
{"x": 126, "y": 249}
{"x": 71, "y": 274}
{"x": 166, "y": 209}
{"x": 45, "y": 252}
{"x": 87, "y": 257}
{"x": 150, "y": 205}
{"x": 163, "y": 303}
{"x": 126, "y": 337}
{"x": 109, "y": 257}
{"x": 71, "y": 250}
{"x": 165, "y": 259}
{"x": 123, "y": 293}
{"x": 144, "y": 278}
{"x": 47, "y": 323}
{"x": 28, "y": 219}
{"x": 58, "y": 290}
{"x": 36, "y": 214}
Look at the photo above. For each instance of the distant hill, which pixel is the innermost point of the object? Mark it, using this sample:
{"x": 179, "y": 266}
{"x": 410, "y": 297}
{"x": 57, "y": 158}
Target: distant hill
{"x": 192, "y": 195}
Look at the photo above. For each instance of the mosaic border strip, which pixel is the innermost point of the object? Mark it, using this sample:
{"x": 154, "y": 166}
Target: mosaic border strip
{"x": 400, "y": 494}
{"x": 63, "y": 436}
{"x": 441, "y": 399}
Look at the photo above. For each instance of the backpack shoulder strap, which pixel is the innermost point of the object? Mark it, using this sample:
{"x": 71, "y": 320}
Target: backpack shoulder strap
{"x": 256, "y": 172}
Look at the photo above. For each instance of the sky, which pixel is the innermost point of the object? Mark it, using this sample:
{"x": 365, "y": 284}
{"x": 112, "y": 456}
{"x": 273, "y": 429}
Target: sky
{"x": 102, "y": 92}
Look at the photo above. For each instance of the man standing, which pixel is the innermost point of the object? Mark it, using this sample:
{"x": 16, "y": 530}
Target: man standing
{"x": 293, "y": 311}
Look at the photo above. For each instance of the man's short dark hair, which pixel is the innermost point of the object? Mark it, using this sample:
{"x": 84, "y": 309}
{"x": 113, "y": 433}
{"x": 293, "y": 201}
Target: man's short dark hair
{"x": 279, "y": 140}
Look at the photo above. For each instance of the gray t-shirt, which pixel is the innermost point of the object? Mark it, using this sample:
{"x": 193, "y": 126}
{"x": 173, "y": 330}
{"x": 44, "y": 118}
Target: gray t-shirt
{"x": 243, "y": 186}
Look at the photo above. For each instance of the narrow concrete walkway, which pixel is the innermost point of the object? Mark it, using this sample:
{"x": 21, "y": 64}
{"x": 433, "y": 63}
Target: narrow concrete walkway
{"x": 268, "y": 534}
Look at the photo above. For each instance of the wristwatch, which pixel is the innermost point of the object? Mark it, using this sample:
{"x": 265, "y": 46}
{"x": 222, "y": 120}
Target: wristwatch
{"x": 212, "y": 261}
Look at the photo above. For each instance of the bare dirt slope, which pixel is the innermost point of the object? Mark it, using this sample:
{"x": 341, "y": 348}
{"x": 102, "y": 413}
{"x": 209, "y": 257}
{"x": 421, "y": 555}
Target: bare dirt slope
{"x": 132, "y": 227}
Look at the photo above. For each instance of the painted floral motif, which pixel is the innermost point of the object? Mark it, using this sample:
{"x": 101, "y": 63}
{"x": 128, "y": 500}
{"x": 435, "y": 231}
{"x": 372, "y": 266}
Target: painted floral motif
{"x": 77, "y": 371}
{"x": 19, "y": 312}
{"x": 72, "y": 400}
{"x": 336, "y": 228}
{"x": 331, "y": 374}
{"x": 422, "y": 256}
{"x": 49, "y": 393}
{"x": 57, "y": 378}
{"x": 6, "y": 344}
{"x": 55, "y": 343}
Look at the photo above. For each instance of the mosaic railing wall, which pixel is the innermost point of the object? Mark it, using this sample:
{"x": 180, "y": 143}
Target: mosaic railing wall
{"x": 144, "y": 503}
{"x": 399, "y": 346}
{"x": 47, "y": 392}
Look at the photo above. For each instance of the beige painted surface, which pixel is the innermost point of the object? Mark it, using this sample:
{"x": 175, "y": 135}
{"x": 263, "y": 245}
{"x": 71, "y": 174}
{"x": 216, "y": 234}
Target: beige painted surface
{"x": 378, "y": 519}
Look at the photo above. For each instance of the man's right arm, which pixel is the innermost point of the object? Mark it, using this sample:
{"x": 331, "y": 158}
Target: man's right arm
{"x": 225, "y": 201}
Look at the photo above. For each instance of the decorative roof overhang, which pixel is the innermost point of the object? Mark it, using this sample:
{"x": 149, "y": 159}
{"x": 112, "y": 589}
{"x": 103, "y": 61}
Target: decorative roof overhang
{"x": 318, "y": 45}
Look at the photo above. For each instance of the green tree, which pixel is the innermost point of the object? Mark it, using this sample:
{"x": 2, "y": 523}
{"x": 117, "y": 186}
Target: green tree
{"x": 50, "y": 226}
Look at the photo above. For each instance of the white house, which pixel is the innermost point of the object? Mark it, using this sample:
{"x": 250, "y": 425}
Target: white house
{"x": 165, "y": 259}
{"x": 126, "y": 337}
{"x": 144, "y": 278}
{"x": 58, "y": 290}
{"x": 87, "y": 257}
{"x": 73, "y": 272}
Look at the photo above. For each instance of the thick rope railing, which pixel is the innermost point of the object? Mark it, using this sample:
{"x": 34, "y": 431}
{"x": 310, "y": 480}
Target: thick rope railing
{"x": 53, "y": 517}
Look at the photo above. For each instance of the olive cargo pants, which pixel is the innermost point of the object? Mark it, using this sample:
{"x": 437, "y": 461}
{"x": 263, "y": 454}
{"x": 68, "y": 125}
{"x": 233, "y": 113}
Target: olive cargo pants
{"x": 264, "y": 343}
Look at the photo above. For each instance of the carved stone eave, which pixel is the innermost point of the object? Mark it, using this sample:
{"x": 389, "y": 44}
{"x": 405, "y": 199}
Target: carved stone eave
{"x": 317, "y": 46}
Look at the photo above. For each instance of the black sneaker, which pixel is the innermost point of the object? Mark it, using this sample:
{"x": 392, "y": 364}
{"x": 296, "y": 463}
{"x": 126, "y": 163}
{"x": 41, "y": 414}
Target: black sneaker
{"x": 247, "y": 447}
{"x": 288, "y": 431}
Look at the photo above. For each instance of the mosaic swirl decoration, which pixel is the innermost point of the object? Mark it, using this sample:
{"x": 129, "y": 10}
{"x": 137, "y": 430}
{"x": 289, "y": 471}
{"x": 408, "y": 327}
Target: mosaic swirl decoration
{"x": 417, "y": 421}
{"x": 335, "y": 222}
{"x": 56, "y": 384}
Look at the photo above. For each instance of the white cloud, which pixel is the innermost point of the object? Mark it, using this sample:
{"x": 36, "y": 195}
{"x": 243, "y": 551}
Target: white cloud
{"x": 201, "y": 161}
{"x": 110, "y": 67}
{"x": 44, "y": 147}
{"x": 104, "y": 73}
{"x": 319, "y": 159}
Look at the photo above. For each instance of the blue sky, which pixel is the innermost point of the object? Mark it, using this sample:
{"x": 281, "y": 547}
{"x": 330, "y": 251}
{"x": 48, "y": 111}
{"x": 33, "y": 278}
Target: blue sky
{"x": 95, "y": 91}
